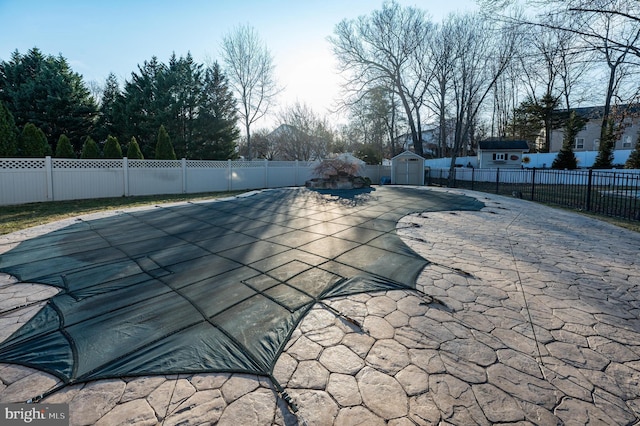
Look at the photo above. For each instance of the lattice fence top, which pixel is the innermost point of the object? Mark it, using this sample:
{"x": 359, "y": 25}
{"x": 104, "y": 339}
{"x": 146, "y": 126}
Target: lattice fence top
{"x": 246, "y": 164}
{"x": 155, "y": 164}
{"x": 68, "y": 163}
{"x": 207, "y": 164}
{"x": 282, "y": 164}
{"x": 22, "y": 163}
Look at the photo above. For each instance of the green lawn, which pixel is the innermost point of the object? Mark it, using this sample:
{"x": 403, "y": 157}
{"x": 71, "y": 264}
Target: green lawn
{"x": 15, "y": 218}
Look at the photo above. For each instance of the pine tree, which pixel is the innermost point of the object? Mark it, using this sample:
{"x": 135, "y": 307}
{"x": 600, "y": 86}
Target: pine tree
{"x": 604, "y": 159}
{"x": 217, "y": 130}
{"x": 33, "y": 142}
{"x": 566, "y": 159}
{"x": 64, "y": 149}
{"x": 111, "y": 120}
{"x": 133, "y": 152}
{"x": 112, "y": 148}
{"x": 164, "y": 149}
{"x": 90, "y": 149}
{"x": 43, "y": 90}
{"x": 633, "y": 162}
{"x": 8, "y": 133}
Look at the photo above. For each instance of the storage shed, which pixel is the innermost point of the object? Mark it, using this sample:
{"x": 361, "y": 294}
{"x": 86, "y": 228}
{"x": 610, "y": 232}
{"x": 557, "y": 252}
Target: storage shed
{"x": 499, "y": 153}
{"x": 407, "y": 168}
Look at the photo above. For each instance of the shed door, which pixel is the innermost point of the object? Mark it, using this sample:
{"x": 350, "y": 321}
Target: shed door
{"x": 408, "y": 171}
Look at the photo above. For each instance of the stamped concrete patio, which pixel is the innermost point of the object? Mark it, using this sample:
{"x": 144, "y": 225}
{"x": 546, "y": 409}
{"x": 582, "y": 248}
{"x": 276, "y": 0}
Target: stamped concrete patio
{"x": 533, "y": 317}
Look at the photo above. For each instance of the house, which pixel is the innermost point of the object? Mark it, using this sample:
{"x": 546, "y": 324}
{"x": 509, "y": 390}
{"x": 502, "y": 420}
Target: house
{"x": 588, "y": 139}
{"x": 500, "y": 153}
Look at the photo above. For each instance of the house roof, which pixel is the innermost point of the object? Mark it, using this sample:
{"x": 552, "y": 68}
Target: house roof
{"x": 596, "y": 112}
{"x": 499, "y": 144}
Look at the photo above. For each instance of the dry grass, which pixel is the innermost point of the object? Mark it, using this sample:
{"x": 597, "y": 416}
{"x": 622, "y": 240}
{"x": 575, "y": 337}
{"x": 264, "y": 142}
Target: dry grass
{"x": 15, "y": 218}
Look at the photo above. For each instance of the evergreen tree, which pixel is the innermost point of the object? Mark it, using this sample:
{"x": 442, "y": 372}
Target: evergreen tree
{"x": 64, "y": 149}
{"x": 566, "y": 158}
{"x": 217, "y": 130}
{"x": 633, "y": 162}
{"x": 183, "y": 81}
{"x": 146, "y": 104}
{"x": 133, "y": 152}
{"x": 164, "y": 148}
{"x": 8, "y": 133}
{"x": 534, "y": 115}
{"x": 33, "y": 142}
{"x": 604, "y": 159}
{"x": 111, "y": 120}
{"x": 112, "y": 148}
{"x": 90, "y": 149}
{"x": 43, "y": 90}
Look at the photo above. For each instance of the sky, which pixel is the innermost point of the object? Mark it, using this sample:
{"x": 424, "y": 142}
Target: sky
{"x": 98, "y": 37}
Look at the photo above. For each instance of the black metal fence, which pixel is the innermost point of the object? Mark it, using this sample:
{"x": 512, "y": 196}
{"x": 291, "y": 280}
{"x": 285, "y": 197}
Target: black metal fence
{"x": 614, "y": 193}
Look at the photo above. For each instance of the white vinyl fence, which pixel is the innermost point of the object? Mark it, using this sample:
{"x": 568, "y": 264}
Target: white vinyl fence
{"x": 535, "y": 160}
{"x": 27, "y": 180}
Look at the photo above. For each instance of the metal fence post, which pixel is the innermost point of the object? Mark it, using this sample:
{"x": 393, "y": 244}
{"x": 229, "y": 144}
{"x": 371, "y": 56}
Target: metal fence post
{"x": 497, "y": 180}
{"x": 473, "y": 177}
{"x": 533, "y": 184}
{"x": 588, "y": 203}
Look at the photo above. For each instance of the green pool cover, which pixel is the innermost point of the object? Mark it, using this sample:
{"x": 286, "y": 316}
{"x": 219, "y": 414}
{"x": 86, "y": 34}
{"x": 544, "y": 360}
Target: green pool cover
{"x": 208, "y": 287}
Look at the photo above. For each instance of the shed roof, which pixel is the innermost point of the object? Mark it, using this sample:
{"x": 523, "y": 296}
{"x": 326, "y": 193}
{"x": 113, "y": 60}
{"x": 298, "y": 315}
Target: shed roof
{"x": 498, "y": 144}
{"x": 407, "y": 154}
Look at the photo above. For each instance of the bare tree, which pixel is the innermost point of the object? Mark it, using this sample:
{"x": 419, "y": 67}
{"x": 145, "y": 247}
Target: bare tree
{"x": 302, "y": 134}
{"x": 610, "y": 28}
{"x": 483, "y": 54}
{"x": 376, "y": 115}
{"x": 380, "y": 50}
{"x": 263, "y": 145}
{"x": 442, "y": 59}
{"x": 250, "y": 69}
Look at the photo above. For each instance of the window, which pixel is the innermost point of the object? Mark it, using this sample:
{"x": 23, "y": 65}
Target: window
{"x": 579, "y": 143}
{"x": 499, "y": 156}
{"x": 626, "y": 141}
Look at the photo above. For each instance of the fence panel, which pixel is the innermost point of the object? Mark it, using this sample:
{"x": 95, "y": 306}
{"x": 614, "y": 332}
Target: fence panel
{"x": 206, "y": 176}
{"x": 82, "y": 179}
{"x": 376, "y": 172}
{"x": 23, "y": 180}
{"x": 150, "y": 177}
{"x": 280, "y": 174}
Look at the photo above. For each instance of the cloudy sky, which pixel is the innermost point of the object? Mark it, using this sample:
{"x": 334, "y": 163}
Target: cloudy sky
{"x": 99, "y": 37}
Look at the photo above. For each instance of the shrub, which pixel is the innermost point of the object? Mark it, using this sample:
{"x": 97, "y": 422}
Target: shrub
{"x": 112, "y": 148}
{"x": 164, "y": 148}
{"x": 133, "y": 152}
{"x": 90, "y": 149}
{"x": 33, "y": 142}
{"x": 64, "y": 149}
